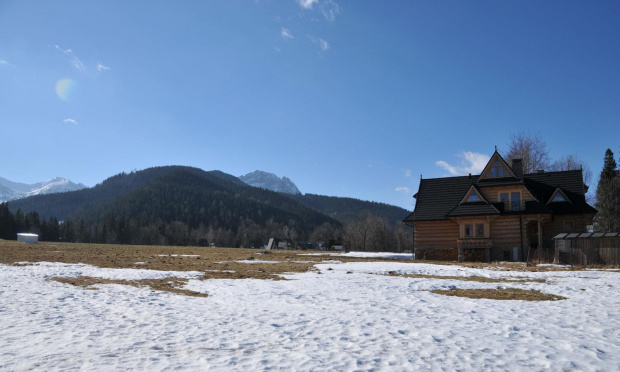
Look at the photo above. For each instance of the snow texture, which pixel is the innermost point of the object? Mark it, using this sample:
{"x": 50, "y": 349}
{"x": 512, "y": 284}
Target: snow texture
{"x": 341, "y": 317}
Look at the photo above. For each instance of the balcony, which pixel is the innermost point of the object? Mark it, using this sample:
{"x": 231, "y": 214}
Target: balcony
{"x": 512, "y": 206}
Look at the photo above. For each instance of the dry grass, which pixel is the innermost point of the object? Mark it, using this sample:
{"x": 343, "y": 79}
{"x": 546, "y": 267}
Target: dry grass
{"x": 170, "y": 284}
{"x": 480, "y": 279}
{"x": 214, "y": 263}
{"x": 500, "y": 294}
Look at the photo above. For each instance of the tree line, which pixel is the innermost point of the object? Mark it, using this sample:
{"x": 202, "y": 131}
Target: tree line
{"x": 366, "y": 233}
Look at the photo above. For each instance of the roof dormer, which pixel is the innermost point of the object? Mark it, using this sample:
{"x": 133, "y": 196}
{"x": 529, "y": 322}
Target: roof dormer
{"x": 496, "y": 168}
{"x": 473, "y": 196}
{"x": 558, "y": 196}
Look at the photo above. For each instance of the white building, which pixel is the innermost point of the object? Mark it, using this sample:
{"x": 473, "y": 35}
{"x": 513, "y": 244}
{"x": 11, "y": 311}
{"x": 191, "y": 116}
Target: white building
{"x": 27, "y": 238}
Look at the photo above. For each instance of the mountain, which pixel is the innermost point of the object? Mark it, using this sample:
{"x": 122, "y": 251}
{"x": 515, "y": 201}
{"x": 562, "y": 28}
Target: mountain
{"x": 270, "y": 181}
{"x": 10, "y": 190}
{"x": 177, "y": 205}
{"x": 349, "y": 209}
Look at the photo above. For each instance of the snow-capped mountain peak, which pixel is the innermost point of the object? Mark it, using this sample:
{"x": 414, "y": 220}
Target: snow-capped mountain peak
{"x": 10, "y": 190}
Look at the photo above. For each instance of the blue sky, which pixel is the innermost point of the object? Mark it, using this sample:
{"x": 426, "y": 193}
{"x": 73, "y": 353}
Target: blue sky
{"x": 346, "y": 98}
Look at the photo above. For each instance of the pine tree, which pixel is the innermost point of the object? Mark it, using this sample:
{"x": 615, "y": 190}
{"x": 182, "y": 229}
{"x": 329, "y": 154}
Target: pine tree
{"x": 608, "y": 196}
{"x": 7, "y": 222}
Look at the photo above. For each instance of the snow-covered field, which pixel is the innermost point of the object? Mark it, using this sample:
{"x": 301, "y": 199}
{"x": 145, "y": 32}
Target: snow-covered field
{"x": 344, "y": 317}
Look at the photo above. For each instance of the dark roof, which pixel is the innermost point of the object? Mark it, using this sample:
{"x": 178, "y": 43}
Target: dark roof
{"x": 543, "y": 185}
{"x": 439, "y": 198}
{"x": 470, "y": 209}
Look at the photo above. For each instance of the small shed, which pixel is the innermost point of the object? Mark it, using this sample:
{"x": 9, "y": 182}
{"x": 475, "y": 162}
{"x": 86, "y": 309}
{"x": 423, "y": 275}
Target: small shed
{"x": 587, "y": 248}
{"x": 27, "y": 238}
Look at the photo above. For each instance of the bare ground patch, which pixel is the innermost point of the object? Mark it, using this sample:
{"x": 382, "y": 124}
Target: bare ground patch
{"x": 170, "y": 284}
{"x": 480, "y": 279}
{"x": 504, "y": 294}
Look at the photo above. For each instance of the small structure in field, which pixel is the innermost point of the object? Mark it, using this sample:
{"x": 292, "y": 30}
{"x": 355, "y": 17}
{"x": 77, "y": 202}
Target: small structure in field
{"x": 27, "y": 238}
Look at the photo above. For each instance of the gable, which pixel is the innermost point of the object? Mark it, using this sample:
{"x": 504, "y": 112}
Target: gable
{"x": 558, "y": 196}
{"x": 473, "y": 196}
{"x": 496, "y": 168}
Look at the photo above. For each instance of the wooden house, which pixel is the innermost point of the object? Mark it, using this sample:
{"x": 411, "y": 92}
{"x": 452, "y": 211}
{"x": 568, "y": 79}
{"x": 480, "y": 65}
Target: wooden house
{"x": 500, "y": 214}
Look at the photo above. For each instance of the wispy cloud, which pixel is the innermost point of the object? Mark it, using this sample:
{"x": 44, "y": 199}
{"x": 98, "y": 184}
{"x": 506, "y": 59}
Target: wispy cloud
{"x": 77, "y": 64}
{"x": 329, "y": 8}
{"x": 402, "y": 189}
{"x": 307, "y": 4}
{"x": 70, "y": 121}
{"x": 63, "y": 51}
{"x": 101, "y": 67}
{"x": 471, "y": 162}
{"x": 4, "y": 62}
{"x": 75, "y": 61}
{"x": 324, "y": 45}
{"x": 286, "y": 34}
{"x": 407, "y": 173}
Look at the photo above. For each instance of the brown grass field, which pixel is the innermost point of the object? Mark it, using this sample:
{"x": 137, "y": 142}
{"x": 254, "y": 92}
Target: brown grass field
{"x": 218, "y": 263}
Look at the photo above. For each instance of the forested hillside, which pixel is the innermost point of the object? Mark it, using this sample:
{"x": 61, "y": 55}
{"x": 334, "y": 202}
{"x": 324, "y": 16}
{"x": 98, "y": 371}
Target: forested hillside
{"x": 175, "y": 205}
{"x": 348, "y": 209}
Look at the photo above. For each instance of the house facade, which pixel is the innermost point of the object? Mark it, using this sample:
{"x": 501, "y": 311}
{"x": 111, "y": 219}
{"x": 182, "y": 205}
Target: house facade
{"x": 500, "y": 214}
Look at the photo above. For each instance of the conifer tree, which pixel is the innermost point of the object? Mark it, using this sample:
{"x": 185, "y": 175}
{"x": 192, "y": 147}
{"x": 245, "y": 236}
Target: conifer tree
{"x": 608, "y": 196}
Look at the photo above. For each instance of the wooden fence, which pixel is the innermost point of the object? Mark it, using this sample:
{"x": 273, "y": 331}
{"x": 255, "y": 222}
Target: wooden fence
{"x": 587, "y": 249}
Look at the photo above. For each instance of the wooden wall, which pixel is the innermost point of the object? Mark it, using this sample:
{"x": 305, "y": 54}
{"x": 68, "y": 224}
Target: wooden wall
{"x": 558, "y": 226}
{"x": 506, "y": 234}
{"x": 505, "y": 231}
{"x": 436, "y": 234}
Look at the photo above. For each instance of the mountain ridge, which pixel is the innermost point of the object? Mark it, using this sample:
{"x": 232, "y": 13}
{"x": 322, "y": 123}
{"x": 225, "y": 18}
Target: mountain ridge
{"x": 270, "y": 181}
{"x": 11, "y": 190}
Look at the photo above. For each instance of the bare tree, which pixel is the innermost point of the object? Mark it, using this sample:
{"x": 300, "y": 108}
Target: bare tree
{"x": 529, "y": 147}
{"x": 324, "y": 234}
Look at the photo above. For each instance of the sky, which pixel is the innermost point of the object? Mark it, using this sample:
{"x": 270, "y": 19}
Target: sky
{"x": 346, "y": 98}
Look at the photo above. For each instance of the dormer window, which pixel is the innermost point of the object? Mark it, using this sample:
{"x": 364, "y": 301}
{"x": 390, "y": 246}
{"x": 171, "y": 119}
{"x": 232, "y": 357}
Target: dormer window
{"x": 558, "y": 197}
{"x": 496, "y": 168}
{"x": 472, "y": 196}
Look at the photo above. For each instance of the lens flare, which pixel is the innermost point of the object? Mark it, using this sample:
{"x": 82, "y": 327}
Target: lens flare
{"x": 65, "y": 88}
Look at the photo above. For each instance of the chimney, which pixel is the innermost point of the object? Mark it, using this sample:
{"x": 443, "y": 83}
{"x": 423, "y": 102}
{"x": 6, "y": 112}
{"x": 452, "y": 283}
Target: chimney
{"x": 517, "y": 167}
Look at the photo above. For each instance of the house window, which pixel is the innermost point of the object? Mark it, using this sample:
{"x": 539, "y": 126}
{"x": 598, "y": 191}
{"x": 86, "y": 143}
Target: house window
{"x": 469, "y": 230}
{"x": 515, "y": 199}
{"x": 479, "y": 230}
{"x": 511, "y": 200}
{"x": 497, "y": 170}
{"x": 558, "y": 198}
{"x": 473, "y": 197}
{"x": 474, "y": 230}
{"x": 569, "y": 225}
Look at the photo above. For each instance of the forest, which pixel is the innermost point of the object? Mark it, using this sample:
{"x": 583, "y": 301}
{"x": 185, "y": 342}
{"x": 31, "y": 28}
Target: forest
{"x": 187, "y": 206}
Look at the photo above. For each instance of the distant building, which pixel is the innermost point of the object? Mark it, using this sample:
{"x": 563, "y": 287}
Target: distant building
{"x": 27, "y": 238}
